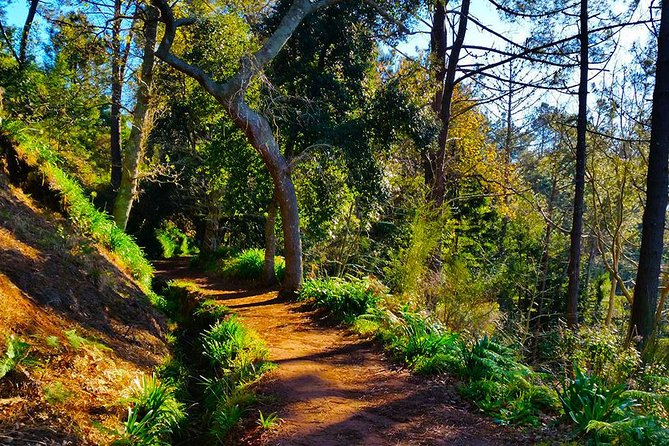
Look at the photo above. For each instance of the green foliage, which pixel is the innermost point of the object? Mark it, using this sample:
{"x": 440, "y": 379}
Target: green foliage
{"x": 501, "y": 386}
{"x": 53, "y": 342}
{"x": 268, "y": 422}
{"x": 409, "y": 266}
{"x": 213, "y": 260}
{"x": 16, "y": 351}
{"x": 235, "y": 349}
{"x": 57, "y": 393}
{"x": 173, "y": 241}
{"x": 80, "y": 210}
{"x": 419, "y": 341}
{"x": 238, "y": 358}
{"x": 345, "y": 299}
{"x": 154, "y": 417}
{"x": 209, "y": 312}
{"x": 77, "y": 341}
{"x": 600, "y": 352}
{"x": 607, "y": 412}
{"x": 248, "y": 265}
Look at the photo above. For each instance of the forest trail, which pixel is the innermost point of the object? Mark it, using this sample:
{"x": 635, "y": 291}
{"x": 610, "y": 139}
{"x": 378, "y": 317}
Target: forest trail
{"x": 333, "y": 388}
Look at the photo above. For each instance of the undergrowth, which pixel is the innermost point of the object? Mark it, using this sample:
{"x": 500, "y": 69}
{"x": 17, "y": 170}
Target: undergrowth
{"x": 80, "y": 210}
{"x": 492, "y": 374}
{"x": 344, "y": 299}
{"x": 238, "y": 358}
{"x": 15, "y": 352}
{"x": 248, "y": 265}
{"x": 216, "y": 360}
{"x": 154, "y": 416}
{"x": 173, "y": 241}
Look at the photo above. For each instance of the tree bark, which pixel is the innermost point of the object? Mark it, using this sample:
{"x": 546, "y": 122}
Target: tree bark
{"x": 25, "y": 34}
{"x": 612, "y": 299}
{"x": 269, "y": 275}
{"x": 642, "y": 320}
{"x": 259, "y": 133}
{"x": 116, "y": 94}
{"x": 256, "y": 127}
{"x": 445, "y": 77}
{"x": 574, "y": 268}
{"x": 141, "y": 126}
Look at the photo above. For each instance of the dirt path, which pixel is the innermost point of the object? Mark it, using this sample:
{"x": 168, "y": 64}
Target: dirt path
{"x": 332, "y": 388}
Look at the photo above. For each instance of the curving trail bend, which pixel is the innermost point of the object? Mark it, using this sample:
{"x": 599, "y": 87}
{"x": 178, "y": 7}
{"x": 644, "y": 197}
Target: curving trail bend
{"x": 332, "y": 388}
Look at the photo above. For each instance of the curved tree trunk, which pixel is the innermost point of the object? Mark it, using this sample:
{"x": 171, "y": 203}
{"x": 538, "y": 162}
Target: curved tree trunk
{"x": 141, "y": 126}
{"x": 256, "y": 127}
{"x": 259, "y": 133}
{"x": 269, "y": 275}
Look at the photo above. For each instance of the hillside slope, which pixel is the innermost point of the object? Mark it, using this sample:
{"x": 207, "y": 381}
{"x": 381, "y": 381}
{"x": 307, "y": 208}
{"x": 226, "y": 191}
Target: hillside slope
{"x": 90, "y": 330}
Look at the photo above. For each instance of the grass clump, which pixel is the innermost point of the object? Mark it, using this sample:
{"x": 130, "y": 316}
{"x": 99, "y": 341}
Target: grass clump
{"x": 155, "y": 415}
{"x": 16, "y": 351}
{"x": 420, "y": 342}
{"x": 344, "y": 299}
{"x": 608, "y": 413}
{"x": 238, "y": 358}
{"x": 248, "y": 265}
{"x": 235, "y": 349}
{"x": 268, "y": 422}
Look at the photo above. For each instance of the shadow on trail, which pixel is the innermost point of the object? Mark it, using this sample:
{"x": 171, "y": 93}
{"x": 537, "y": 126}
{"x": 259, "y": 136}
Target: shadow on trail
{"x": 340, "y": 354}
{"x": 401, "y": 420}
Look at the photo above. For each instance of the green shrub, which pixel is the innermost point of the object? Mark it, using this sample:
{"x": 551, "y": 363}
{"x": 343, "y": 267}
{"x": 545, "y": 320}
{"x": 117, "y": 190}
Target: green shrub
{"x": 173, "y": 241}
{"x": 606, "y": 413}
{"x": 209, "y": 312}
{"x": 345, "y": 299}
{"x": 236, "y": 350}
{"x": 238, "y": 357}
{"x": 154, "y": 417}
{"x": 16, "y": 351}
{"x": 418, "y": 341}
{"x": 502, "y": 386}
{"x": 248, "y": 265}
{"x": 600, "y": 352}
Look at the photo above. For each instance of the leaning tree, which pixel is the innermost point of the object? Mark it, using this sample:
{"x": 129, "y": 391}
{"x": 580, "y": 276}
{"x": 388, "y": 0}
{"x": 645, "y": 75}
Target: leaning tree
{"x": 230, "y": 93}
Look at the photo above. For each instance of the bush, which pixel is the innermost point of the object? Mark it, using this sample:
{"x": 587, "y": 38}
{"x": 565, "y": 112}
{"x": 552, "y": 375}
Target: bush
{"x": 607, "y": 413}
{"x": 345, "y": 299}
{"x": 237, "y": 351}
{"x": 173, "y": 241}
{"x": 154, "y": 416}
{"x": 248, "y": 265}
{"x": 501, "y": 386}
{"x": 238, "y": 358}
{"x": 421, "y": 343}
{"x": 600, "y": 352}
